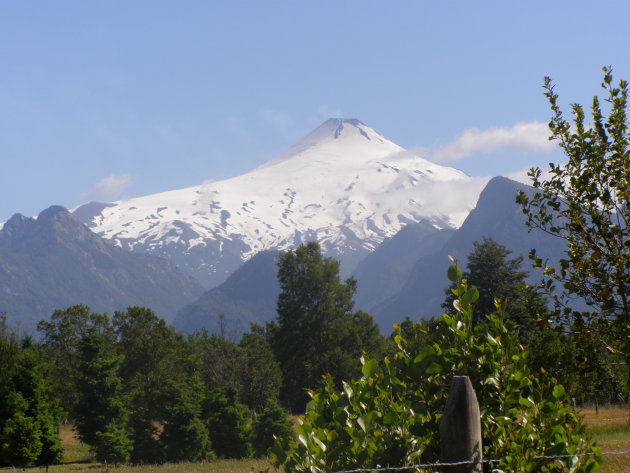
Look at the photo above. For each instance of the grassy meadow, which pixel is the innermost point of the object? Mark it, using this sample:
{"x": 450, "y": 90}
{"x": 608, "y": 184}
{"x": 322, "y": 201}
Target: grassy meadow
{"x": 611, "y": 432}
{"x": 609, "y": 428}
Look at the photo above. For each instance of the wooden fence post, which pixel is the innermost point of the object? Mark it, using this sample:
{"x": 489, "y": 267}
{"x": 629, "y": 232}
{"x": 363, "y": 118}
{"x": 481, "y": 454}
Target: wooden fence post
{"x": 460, "y": 428}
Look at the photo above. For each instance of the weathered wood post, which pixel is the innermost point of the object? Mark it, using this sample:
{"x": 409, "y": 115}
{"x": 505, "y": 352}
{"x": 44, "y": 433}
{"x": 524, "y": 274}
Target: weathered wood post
{"x": 460, "y": 428}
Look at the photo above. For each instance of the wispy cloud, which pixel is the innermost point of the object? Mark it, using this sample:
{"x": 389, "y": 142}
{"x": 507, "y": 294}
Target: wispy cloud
{"x": 324, "y": 112}
{"x": 532, "y": 136}
{"x": 109, "y": 188}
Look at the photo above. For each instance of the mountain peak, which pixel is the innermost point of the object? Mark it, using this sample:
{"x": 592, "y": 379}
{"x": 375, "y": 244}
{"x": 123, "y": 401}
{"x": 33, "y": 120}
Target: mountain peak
{"x": 339, "y": 136}
{"x": 337, "y": 128}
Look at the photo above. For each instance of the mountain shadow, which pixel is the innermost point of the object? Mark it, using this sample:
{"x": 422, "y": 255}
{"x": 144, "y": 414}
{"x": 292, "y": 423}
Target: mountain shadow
{"x": 384, "y": 271}
{"x": 249, "y": 295}
{"x": 498, "y": 216}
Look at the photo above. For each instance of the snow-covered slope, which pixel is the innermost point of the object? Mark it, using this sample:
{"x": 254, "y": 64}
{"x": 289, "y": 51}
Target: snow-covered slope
{"x": 343, "y": 185}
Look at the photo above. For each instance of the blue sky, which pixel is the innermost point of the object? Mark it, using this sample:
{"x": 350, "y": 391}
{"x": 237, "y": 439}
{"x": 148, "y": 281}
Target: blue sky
{"x": 105, "y": 99}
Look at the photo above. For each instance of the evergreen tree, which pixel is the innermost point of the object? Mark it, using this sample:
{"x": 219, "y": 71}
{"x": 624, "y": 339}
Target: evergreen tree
{"x": 28, "y": 415}
{"x": 273, "y": 422}
{"x": 317, "y": 331}
{"x": 499, "y": 278}
{"x": 113, "y": 444}
{"x": 220, "y": 359}
{"x": 185, "y": 436}
{"x": 229, "y": 423}
{"x": 102, "y": 411}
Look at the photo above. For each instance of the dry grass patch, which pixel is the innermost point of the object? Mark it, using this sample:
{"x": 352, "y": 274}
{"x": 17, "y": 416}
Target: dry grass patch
{"x": 611, "y": 432}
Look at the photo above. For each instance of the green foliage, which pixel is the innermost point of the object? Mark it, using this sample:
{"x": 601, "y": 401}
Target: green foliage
{"x": 260, "y": 375}
{"x": 317, "y": 331}
{"x": 20, "y": 442}
{"x": 150, "y": 351}
{"x": 228, "y": 422}
{"x": 60, "y": 338}
{"x": 220, "y": 359}
{"x": 270, "y": 424}
{"x": 28, "y": 416}
{"x": 390, "y": 416}
{"x": 498, "y": 278}
{"x": 102, "y": 410}
{"x": 586, "y": 203}
{"x": 185, "y": 437}
{"x": 113, "y": 444}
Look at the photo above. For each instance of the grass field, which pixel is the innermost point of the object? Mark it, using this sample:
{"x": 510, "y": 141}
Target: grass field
{"x": 609, "y": 428}
{"x": 611, "y": 432}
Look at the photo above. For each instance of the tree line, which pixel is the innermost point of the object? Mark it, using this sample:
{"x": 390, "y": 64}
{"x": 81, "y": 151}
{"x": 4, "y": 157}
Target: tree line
{"x": 137, "y": 391}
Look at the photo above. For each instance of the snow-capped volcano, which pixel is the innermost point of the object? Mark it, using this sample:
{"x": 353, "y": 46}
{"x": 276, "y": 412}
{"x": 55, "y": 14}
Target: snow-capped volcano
{"x": 343, "y": 185}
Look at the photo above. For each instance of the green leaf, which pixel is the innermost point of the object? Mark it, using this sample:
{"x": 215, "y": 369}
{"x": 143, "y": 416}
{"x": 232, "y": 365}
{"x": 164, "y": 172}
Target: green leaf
{"x": 525, "y": 402}
{"x": 558, "y": 392}
{"x": 369, "y": 368}
{"x": 434, "y": 368}
{"x": 454, "y": 273}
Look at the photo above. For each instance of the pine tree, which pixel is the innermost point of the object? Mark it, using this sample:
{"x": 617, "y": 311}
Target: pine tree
{"x": 229, "y": 423}
{"x": 185, "y": 436}
{"x": 101, "y": 413}
{"x": 28, "y": 415}
{"x": 273, "y": 422}
{"x": 499, "y": 278}
{"x": 149, "y": 350}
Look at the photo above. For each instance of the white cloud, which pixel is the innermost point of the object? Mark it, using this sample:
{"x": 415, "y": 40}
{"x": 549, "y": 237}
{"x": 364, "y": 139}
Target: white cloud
{"x": 532, "y": 136}
{"x": 109, "y": 188}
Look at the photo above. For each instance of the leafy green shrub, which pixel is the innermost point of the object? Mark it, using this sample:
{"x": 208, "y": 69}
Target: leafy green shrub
{"x": 391, "y": 415}
{"x": 271, "y": 423}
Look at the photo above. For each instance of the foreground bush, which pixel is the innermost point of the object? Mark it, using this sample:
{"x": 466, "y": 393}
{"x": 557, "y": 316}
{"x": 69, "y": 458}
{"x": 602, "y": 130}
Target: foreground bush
{"x": 391, "y": 415}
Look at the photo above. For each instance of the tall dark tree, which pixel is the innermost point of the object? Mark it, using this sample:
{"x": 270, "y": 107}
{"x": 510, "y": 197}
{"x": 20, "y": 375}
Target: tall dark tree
{"x": 317, "y": 332}
{"x": 185, "y": 436}
{"x": 102, "y": 409}
{"x": 229, "y": 423}
{"x": 149, "y": 350}
{"x": 499, "y": 278}
{"x": 220, "y": 359}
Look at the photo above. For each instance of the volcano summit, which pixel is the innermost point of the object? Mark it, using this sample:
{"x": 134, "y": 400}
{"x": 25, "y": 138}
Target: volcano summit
{"x": 343, "y": 185}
